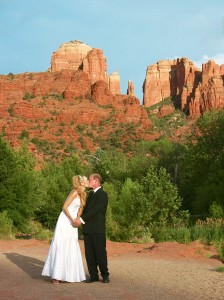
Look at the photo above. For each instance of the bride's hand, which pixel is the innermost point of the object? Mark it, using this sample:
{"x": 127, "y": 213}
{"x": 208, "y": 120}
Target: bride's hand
{"x": 77, "y": 222}
{"x": 74, "y": 221}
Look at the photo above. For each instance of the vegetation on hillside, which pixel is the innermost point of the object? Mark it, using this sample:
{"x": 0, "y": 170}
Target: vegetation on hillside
{"x": 161, "y": 190}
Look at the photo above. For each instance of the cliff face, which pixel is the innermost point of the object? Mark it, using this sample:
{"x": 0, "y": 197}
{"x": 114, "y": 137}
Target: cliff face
{"x": 196, "y": 91}
{"x": 50, "y": 105}
{"x": 158, "y": 82}
{"x": 209, "y": 93}
{"x": 69, "y": 56}
{"x": 77, "y": 91}
{"x": 76, "y": 55}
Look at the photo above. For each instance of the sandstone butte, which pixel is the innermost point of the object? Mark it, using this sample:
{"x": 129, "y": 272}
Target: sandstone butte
{"x": 76, "y": 90}
{"x": 195, "y": 91}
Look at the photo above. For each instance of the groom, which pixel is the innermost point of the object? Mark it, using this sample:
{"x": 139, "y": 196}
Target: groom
{"x": 94, "y": 230}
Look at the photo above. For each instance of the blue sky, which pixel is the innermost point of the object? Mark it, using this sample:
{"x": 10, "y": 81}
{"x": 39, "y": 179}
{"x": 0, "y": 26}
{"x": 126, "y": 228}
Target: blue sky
{"x": 132, "y": 33}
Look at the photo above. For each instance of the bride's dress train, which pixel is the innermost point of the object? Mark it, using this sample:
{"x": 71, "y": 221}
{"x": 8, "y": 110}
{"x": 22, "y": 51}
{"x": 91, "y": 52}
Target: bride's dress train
{"x": 64, "y": 260}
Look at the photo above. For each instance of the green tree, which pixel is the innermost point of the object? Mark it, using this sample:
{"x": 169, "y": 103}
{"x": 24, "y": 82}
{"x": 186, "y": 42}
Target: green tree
{"x": 145, "y": 204}
{"x": 202, "y": 168}
{"x": 19, "y": 185}
{"x": 162, "y": 206}
{"x": 111, "y": 223}
{"x": 129, "y": 210}
{"x": 112, "y": 165}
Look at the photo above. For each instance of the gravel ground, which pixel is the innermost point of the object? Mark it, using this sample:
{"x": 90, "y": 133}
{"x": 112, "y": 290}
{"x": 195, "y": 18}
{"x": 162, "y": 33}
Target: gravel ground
{"x": 137, "y": 272}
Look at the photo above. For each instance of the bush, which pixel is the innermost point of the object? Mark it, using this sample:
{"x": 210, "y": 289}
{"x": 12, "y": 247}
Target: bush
{"x": 38, "y": 232}
{"x": 209, "y": 231}
{"x": 111, "y": 223}
{"x": 177, "y": 234}
{"x": 220, "y": 249}
{"x": 161, "y": 205}
{"x": 21, "y": 187}
{"x": 6, "y": 227}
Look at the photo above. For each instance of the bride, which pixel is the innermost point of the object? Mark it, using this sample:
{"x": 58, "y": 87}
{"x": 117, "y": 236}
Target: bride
{"x": 64, "y": 259}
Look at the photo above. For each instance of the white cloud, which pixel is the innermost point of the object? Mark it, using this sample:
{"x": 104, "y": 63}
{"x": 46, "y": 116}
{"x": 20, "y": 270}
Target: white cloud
{"x": 218, "y": 58}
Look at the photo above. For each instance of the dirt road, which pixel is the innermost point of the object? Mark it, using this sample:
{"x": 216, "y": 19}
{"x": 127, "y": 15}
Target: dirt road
{"x": 151, "y": 271}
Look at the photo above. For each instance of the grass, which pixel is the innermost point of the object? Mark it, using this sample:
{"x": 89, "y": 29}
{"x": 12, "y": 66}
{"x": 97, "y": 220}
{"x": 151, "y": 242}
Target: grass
{"x": 207, "y": 232}
{"x": 220, "y": 269}
{"x": 6, "y": 227}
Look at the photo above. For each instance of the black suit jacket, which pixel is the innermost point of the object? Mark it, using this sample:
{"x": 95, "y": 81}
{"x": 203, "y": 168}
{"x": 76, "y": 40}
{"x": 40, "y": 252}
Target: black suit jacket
{"x": 94, "y": 213}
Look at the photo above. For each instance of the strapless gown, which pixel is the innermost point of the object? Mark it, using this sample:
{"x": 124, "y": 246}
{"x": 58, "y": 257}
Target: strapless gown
{"x": 64, "y": 259}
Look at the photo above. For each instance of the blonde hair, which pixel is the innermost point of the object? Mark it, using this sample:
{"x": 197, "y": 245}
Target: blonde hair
{"x": 77, "y": 181}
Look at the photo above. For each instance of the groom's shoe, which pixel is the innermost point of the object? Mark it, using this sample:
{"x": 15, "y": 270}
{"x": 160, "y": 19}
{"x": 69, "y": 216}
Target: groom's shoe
{"x": 90, "y": 280}
{"x": 106, "y": 280}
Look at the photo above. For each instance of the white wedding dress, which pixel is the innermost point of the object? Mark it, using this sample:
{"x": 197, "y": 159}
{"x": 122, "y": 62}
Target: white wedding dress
{"x": 64, "y": 260}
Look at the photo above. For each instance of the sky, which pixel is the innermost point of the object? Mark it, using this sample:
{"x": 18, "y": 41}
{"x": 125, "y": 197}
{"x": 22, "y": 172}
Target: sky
{"x": 133, "y": 34}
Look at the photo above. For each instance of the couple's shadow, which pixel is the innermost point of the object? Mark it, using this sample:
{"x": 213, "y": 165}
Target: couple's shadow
{"x": 32, "y": 266}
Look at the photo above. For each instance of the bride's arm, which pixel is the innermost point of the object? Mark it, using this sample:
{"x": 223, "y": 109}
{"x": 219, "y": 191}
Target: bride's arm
{"x": 78, "y": 221}
{"x": 68, "y": 201}
{"x": 79, "y": 212}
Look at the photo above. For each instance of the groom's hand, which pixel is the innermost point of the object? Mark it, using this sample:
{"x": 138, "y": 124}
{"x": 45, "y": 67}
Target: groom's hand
{"x": 77, "y": 222}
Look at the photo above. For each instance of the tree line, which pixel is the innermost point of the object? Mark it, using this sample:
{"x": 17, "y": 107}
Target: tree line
{"x": 162, "y": 184}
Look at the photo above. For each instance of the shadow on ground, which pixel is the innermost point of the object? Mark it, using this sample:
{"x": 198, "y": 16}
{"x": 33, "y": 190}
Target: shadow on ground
{"x": 32, "y": 266}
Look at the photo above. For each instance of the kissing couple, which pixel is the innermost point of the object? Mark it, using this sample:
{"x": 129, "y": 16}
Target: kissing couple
{"x": 64, "y": 259}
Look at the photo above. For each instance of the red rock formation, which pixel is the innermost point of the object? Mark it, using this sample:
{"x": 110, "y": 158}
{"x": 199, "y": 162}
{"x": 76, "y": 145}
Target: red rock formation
{"x": 49, "y": 106}
{"x": 95, "y": 65}
{"x": 157, "y": 84}
{"x": 78, "y": 86}
{"x": 76, "y": 55}
{"x": 179, "y": 78}
{"x": 194, "y": 106}
{"x": 131, "y": 89}
{"x": 114, "y": 83}
{"x": 77, "y": 91}
{"x": 30, "y": 85}
{"x": 209, "y": 70}
{"x": 101, "y": 94}
{"x": 210, "y": 92}
{"x": 10, "y": 89}
{"x": 165, "y": 110}
{"x": 69, "y": 56}
{"x": 168, "y": 78}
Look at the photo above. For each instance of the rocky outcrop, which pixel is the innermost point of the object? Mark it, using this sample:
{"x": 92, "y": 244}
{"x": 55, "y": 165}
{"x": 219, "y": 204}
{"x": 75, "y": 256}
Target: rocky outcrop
{"x": 188, "y": 78}
{"x": 101, "y": 93}
{"x": 127, "y": 108}
{"x": 131, "y": 89}
{"x": 210, "y": 70}
{"x": 114, "y": 83}
{"x": 209, "y": 93}
{"x": 76, "y": 90}
{"x": 165, "y": 110}
{"x": 157, "y": 84}
{"x": 169, "y": 78}
{"x": 75, "y": 55}
{"x": 50, "y": 105}
{"x": 27, "y": 86}
{"x": 95, "y": 65}
{"x": 69, "y": 56}
{"x": 78, "y": 86}
{"x": 195, "y": 91}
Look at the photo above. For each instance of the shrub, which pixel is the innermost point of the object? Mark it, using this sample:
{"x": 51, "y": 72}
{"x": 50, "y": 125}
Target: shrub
{"x": 220, "y": 249}
{"x": 28, "y": 96}
{"x": 6, "y": 227}
{"x": 24, "y": 135}
{"x": 11, "y": 76}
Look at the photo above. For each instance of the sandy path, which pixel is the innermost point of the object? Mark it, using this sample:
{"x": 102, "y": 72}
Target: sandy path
{"x": 151, "y": 271}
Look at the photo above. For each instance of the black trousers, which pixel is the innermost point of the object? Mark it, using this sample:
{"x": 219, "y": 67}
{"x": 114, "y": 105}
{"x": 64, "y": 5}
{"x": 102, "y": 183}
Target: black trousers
{"x": 96, "y": 254}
